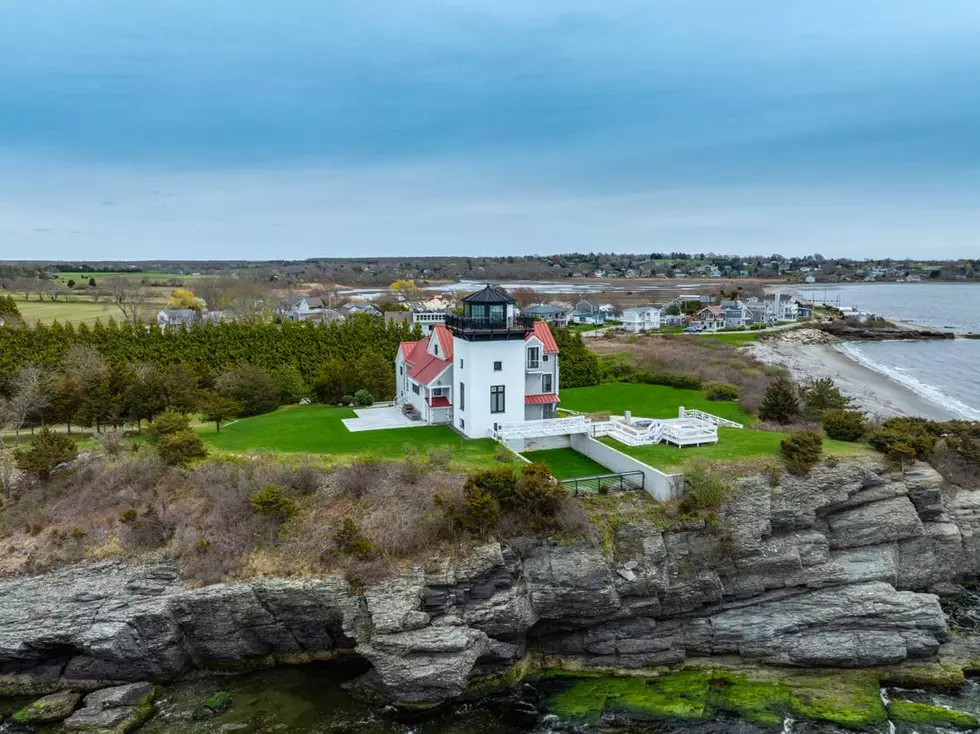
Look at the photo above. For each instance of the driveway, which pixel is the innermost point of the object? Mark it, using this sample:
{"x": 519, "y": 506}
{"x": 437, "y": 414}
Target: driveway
{"x": 375, "y": 419}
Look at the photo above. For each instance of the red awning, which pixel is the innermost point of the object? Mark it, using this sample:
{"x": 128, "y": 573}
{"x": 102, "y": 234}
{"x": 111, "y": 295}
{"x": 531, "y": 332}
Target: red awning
{"x": 540, "y": 399}
{"x": 439, "y": 401}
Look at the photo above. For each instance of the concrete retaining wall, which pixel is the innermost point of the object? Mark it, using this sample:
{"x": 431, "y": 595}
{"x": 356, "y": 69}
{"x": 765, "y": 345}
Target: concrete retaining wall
{"x": 659, "y": 485}
{"x": 547, "y": 442}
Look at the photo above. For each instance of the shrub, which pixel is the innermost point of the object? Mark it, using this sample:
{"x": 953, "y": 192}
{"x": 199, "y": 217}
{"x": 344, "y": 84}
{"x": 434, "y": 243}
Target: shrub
{"x": 44, "y": 453}
{"x": 722, "y": 391}
{"x": 478, "y": 513}
{"x": 439, "y": 456}
{"x": 112, "y": 442}
{"x": 146, "y": 530}
{"x": 918, "y": 433}
{"x": 801, "y": 451}
{"x": 347, "y": 399}
{"x": 363, "y": 398}
{"x": 349, "y": 540}
{"x": 218, "y": 408}
{"x": 844, "y": 425}
{"x": 272, "y": 502}
{"x": 705, "y": 488}
{"x": 822, "y": 395}
{"x": 670, "y": 379}
{"x": 168, "y": 422}
{"x": 355, "y": 479}
{"x": 780, "y": 403}
{"x": 178, "y": 449}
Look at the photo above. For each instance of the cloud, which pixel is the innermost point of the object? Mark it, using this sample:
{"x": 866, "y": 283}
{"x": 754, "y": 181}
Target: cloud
{"x": 576, "y": 109}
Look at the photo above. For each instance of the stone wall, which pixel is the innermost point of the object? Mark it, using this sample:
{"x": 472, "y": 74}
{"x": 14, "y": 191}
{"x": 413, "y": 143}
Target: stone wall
{"x": 834, "y": 569}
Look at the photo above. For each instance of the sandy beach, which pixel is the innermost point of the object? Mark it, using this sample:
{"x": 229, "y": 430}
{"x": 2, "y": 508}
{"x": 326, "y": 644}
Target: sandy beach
{"x": 872, "y": 392}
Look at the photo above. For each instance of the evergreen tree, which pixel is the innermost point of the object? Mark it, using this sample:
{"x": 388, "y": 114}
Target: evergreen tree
{"x": 780, "y": 404}
{"x": 218, "y": 408}
{"x": 44, "y": 453}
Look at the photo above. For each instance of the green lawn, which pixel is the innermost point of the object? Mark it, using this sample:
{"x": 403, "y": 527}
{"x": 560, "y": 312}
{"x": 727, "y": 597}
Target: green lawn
{"x": 647, "y": 401}
{"x": 317, "y": 429}
{"x": 733, "y": 445}
{"x": 76, "y": 312}
{"x": 567, "y": 463}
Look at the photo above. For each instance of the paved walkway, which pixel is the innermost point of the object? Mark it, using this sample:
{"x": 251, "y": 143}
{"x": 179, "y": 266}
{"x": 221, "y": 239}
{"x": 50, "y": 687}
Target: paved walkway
{"x": 375, "y": 419}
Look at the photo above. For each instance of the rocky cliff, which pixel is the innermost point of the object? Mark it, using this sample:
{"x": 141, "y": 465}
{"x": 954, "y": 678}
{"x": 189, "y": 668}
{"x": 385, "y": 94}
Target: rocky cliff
{"x": 839, "y": 569}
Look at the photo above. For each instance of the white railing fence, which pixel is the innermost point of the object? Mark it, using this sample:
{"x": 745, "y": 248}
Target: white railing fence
{"x": 707, "y": 418}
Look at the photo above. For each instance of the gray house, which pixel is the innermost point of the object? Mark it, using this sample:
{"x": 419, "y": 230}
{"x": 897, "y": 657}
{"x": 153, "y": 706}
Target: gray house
{"x": 547, "y": 313}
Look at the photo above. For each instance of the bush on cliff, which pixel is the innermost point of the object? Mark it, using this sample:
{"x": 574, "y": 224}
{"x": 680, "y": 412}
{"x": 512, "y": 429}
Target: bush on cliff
{"x": 918, "y": 433}
{"x": 844, "y": 425}
{"x": 705, "y": 487}
{"x": 801, "y": 451}
{"x": 780, "y": 404}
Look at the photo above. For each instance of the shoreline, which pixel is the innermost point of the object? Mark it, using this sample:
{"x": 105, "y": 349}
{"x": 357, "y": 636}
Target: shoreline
{"x": 873, "y": 392}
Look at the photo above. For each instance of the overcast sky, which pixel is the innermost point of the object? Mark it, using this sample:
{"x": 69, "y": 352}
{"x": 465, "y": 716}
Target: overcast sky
{"x": 302, "y": 128}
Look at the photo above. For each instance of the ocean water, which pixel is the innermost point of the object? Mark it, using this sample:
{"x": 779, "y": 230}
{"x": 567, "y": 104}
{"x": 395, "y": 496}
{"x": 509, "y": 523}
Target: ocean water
{"x": 946, "y": 373}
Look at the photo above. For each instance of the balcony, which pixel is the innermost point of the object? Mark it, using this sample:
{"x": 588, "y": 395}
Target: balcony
{"x": 484, "y": 328}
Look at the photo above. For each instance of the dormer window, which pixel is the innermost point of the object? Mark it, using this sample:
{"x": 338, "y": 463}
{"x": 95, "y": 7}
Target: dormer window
{"x": 533, "y": 358}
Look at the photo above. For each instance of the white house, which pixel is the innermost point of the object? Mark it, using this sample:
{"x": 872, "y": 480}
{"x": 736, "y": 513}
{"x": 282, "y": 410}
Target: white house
{"x": 643, "y": 318}
{"x": 428, "y": 318}
{"x": 485, "y": 367}
{"x": 300, "y": 308}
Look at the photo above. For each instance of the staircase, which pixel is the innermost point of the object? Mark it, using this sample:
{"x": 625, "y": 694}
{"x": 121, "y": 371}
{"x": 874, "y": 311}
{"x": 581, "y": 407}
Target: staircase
{"x": 411, "y": 412}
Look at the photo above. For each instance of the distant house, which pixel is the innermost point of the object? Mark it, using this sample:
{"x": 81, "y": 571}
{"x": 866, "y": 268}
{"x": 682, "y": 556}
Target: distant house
{"x": 643, "y": 318}
{"x": 353, "y": 309}
{"x": 737, "y": 314}
{"x": 687, "y": 298}
{"x": 669, "y": 320}
{"x": 180, "y": 318}
{"x": 299, "y": 308}
{"x": 548, "y": 313}
{"x": 587, "y": 312}
{"x": 429, "y": 318}
{"x": 711, "y": 318}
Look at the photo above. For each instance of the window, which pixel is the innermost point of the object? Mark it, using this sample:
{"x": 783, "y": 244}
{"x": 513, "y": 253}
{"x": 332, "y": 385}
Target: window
{"x": 546, "y": 383}
{"x": 497, "y": 366}
{"x": 435, "y": 349}
{"x": 401, "y": 370}
{"x": 461, "y": 363}
{"x": 415, "y": 388}
{"x": 462, "y": 424}
{"x": 497, "y": 398}
{"x": 533, "y": 358}
{"x": 544, "y": 358}
{"x": 462, "y": 397}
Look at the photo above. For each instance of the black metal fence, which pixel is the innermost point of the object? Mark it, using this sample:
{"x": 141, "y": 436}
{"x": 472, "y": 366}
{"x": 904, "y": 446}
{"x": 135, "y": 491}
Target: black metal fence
{"x": 603, "y": 483}
{"x": 480, "y": 323}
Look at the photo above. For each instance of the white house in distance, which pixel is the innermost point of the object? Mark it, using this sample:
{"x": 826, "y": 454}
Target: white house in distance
{"x": 642, "y": 318}
{"x": 484, "y": 368}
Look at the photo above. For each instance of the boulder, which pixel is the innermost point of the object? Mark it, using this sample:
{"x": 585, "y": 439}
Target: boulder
{"x": 49, "y": 709}
{"x": 874, "y": 523}
{"x": 114, "y": 710}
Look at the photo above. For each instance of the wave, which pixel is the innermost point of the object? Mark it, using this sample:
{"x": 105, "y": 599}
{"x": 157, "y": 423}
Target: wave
{"x": 927, "y": 392}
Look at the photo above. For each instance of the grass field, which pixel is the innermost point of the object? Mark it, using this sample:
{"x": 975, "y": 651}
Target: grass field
{"x": 567, "y": 463}
{"x": 647, "y": 401}
{"x": 317, "y": 429}
{"x": 76, "y": 312}
{"x": 733, "y": 445}
{"x": 734, "y": 337}
{"x": 99, "y": 277}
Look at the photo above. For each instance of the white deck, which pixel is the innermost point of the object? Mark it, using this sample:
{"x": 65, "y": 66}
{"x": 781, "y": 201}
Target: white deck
{"x": 375, "y": 419}
{"x": 690, "y": 428}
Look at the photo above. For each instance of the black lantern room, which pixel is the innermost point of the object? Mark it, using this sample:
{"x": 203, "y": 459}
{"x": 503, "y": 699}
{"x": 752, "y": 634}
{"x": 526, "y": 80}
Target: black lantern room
{"x": 489, "y": 314}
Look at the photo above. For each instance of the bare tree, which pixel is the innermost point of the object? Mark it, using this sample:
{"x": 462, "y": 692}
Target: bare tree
{"x": 250, "y": 302}
{"x": 48, "y": 287}
{"x": 213, "y": 290}
{"x": 25, "y": 286}
{"x": 129, "y": 296}
{"x": 30, "y": 396}
{"x": 8, "y": 474}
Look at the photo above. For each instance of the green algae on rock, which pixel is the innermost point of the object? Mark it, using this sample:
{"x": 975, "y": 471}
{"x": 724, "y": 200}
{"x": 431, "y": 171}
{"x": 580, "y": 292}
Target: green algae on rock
{"x": 702, "y": 695}
{"x": 49, "y": 709}
{"x": 924, "y": 714}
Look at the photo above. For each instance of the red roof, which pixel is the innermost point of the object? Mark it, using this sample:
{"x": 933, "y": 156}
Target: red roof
{"x": 439, "y": 401}
{"x": 407, "y": 349}
{"x": 427, "y": 368}
{"x": 445, "y": 338}
{"x": 540, "y": 399}
{"x": 544, "y": 335}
